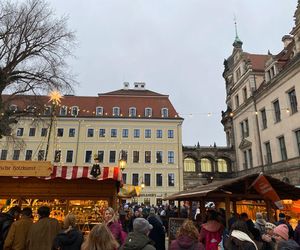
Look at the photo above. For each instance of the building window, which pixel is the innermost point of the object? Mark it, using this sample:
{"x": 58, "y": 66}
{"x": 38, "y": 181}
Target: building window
{"x": 112, "y": 156}
{"x": 206, "y": 165}
{"x": 170, "y": 133}
{"x": 238, "y": 74}
{"x": 132, "y": 112}
{"x": 147, "y": 156}
{"x": 113, "y": 132}
{"x": 282, "y": 148}
{"x": 60, "y": 132}
{"x": 164, "y": 112}
{"x": 293, "y": 101}
{"x": 13, "y": 107}
{"x": 158, "y": 133}
{"x": 57, "y": 155}
{"x": 20, "y": 131}
{"x": 148, "y": 112}
{"x": 159, "y": 156}
{"x": 48, "y": 110}
{"x": 136, "y": 156}
{"x": 90, "y": 132}
{"x": 147, "y": 133}
{"x": 250, "y": 157}
{"x": 244, "y": 128}
{"x": 136, "y": 133}
{"x": 28, "y": 155}
{"x": 88, "y": 156}
{"x": 3, "y": 154}
{"x": 72, "y": 132}
{"x": 245, "y": 94}
{"x": 41, "y": 155}
{"x": 44, "y": 132}
{"x": 246, "y": 164}
{"x": 135, "y": 179}
{"x": 99, "y": 111}
{"x": 237, "y": 101}
{"x": 189, "y": 165}
{"x": 124, "y": 178}
{"x": 147, "y": 180}
{"x": 222, "y": 166}
{"x": 69, "y": 157}
{"x": 268, "y": 153}
{"x": 125, "y": 133}
{"x": 16, "y": 154}
{"x": 171, "y": 180}
{"x": 116, "y": 111}
{"x": 171, "y": 157}
{"x": 100, "y": 156}
{"x": 63, "y": 111}
{"x": 277, "y": 112}
{"x": 264, "y": 121}
{"x": 297, "y": 133}
{"x": 74, "y": 111}
{"x": 159, "y": 180}
{"x": 102, "y": 132}
{"x": 32, "y": 131}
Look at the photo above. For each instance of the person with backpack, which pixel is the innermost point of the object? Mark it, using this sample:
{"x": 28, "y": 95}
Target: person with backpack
{"x": 6, "y": 220}
{"x": 211, "y": 231}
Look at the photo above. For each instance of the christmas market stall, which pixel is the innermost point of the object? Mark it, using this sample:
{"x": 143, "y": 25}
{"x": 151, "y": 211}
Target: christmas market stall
{"x": 263, "y": 192}
{"x": 63, "y": 188}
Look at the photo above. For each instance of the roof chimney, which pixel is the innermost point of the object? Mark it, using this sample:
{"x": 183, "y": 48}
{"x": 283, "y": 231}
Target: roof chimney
{"x": 139, "y": 85}
{"x": 126, "y": 85}
{"x": 287, "y": 39}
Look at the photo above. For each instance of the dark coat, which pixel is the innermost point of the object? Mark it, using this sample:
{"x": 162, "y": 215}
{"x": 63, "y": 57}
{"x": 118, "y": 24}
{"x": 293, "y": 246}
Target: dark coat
{"x": 70, "y": 240}
{"x": 137, "y": 241}
{"x": 116, "y": 230}
{"x": 5, "y": 222}
{"x": 157, "y": 234}
{"x": 233, "y": 243}
{"x": 297, "y": 234}
{"x": 187, "y": 243}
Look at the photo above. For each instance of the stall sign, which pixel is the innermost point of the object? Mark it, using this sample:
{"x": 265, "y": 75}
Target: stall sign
{"x": 25, "y": 168}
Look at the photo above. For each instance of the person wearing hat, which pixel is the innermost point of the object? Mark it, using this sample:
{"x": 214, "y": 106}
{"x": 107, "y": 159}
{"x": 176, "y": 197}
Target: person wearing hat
{"x": 157, "y": 234}
{"x": 95, "y": 171}
{"x": 138, "y": 239}
{"x": 260, "y": 223}
{"x": 282, "y": 220}
{"x": 267, "y": 238}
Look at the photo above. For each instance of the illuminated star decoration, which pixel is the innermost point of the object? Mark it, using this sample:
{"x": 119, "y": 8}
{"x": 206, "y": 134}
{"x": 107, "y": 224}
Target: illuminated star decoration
{"x": 55, "y": 97}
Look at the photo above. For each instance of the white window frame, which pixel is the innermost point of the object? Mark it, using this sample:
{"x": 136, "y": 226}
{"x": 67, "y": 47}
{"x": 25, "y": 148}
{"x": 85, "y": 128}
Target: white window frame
{"x": 116, "y": 111}
{"x": 148, "y": 112}
{"x": 99, "y": 111}
{"x": 132, "y": 112}
{"x": 164, "y": 112}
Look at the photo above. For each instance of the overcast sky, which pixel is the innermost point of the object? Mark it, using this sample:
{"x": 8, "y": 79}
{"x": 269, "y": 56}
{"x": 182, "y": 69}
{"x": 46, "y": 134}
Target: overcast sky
{"x": 176, "y": 46}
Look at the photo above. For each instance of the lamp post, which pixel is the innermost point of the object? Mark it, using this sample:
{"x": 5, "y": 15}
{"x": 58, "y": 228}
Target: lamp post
{"x": 122, "y": 160}
{"x": 142, "y": 182}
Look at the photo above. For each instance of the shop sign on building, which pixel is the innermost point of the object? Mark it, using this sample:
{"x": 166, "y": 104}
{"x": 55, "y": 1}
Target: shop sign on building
{"x": 25, "y": 168}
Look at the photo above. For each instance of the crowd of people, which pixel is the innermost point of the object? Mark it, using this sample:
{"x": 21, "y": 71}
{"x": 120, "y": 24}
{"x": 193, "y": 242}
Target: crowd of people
{"x": 140, "y": 227}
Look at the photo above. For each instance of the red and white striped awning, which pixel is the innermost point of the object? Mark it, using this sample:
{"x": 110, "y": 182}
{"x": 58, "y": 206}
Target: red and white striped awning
{"x": 76, "y": 172}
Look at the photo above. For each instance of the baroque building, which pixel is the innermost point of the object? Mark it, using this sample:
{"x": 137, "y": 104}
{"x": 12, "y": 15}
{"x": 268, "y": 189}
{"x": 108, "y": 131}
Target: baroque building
{"x": 262, "y": 120}
{"x": 135, "y": 124}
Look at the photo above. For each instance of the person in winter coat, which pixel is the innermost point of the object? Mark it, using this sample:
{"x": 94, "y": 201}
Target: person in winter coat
{"x": 211, "y": 231}
{"x": 297, "y": 233}
{"x": 6, "y": 220}
{"x": 281, "y": 233}
{"x": 43, "y": 232}
{"x": 114, "y": 225}
{"x": 158, "y": 232}
{"x": 282, "y": 220}
{"x": 100, "y": 238}
{"x": 288, "y": 245}
{"x": 268, "y": 237}
{"x": 239, "y": 238}
{"x": 187, "y": 238}
{"x": 70, "y": 238}
{"x": 260, "y": 223}
{"x": 18, "y": 232}
{"x": 138, "y": 239}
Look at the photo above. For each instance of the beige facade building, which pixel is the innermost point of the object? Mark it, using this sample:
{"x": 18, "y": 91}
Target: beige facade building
{"x": 262, "y": 120}
{"x": 134, "y": 123}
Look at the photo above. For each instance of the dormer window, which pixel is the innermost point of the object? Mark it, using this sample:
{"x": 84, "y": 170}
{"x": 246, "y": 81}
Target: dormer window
{"x": 30, "y": 108}
{"x": 116, "y": 111}
{"x": 13, "y": 107}
{"x": 271, "y": 73}
{"x": 63, "y": 111}
{"x": 132, "y": 112}
{"x": 74, "y": 111}
{"x": 99, "y": 111}
{"x": 47, "y": 110}
{"x": 148, "y": 112}
{"x": 164, "y": 112}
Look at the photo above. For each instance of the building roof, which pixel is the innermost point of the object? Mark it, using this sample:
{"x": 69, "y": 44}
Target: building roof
{"x": 123, "y": 98}
{"x": 257, "y": 61}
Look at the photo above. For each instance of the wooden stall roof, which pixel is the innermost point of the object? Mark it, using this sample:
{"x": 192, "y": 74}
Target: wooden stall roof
{"x": 236, "y": 189}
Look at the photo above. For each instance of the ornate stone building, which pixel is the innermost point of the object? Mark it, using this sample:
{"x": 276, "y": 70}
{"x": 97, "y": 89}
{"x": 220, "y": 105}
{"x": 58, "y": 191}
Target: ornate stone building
{"x": 262, "y": 120}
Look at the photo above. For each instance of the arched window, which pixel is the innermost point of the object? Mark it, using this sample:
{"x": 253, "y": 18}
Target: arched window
{"x": 206, "y": 165}
{"x": 148, "y": 112}
{"x": 132, "y": 112}
{"x": 189, "y": 165}
{"x": 222, "y": 166}
{"x": 116, "y": 111}
{"x": 47, "y": 110}
{"x": 13, "y": 107}
{"x": 63, "y": 110}
{"x": 74, "y": 111}
{"x": 99, "y": 111}
{"x": 164, "y": 112}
